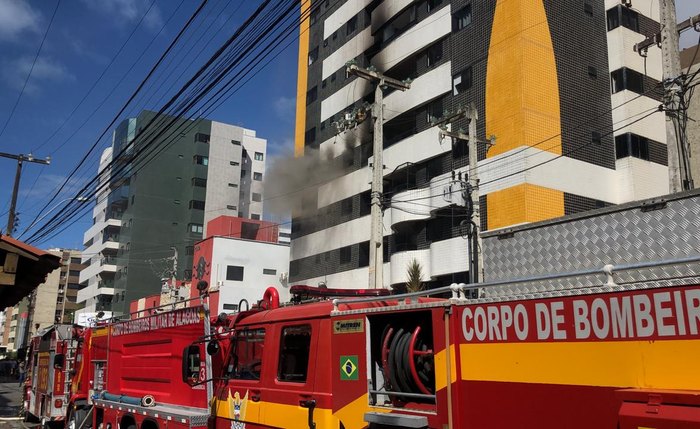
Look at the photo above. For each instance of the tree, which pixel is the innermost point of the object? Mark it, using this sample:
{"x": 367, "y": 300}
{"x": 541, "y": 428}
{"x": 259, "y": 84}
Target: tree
{"x": 414, "y": 273}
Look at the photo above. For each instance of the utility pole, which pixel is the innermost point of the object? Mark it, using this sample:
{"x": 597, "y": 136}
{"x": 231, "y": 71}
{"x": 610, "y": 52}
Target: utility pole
{"x": 667, "y": 39}
{"x": 474, "y": 245}
{"x": 13, "y": 204}
{"x": 376, "y": 248}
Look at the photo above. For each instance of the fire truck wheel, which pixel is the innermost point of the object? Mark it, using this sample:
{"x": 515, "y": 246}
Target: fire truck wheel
{"x": 76, "y": 418}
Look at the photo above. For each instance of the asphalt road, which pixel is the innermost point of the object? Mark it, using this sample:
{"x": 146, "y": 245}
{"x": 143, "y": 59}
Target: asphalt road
{"x": 10, "y": 403}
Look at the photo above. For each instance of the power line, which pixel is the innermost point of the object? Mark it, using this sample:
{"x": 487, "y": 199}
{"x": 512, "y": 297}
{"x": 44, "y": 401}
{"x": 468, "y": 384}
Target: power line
{"x": 236, "y": 79}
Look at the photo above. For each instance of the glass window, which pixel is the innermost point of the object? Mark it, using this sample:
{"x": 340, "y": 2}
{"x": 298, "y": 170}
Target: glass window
{"x": 234, "y": 272}
{"x": 257, "y": 176}
{"x": 630, "y": 144}
{"x": 434, "y": 54}
{"x": 255, "y": 216}
{"x": 626, "y": 79}
{"x": 259, "y": 156}
{"x": 234, "y": 163}
{"x": 201, "y": 160}
{"x": 623, "y": 15}
{"x": 202, "y": 138}
{"x": 462, "y": 18}
{"x": 311, "y": 95}
{"x": 434, "y": 111}
{"x": 351, "y": 25}
{"x": 399, "y": 24}
{"x": 246, "y": 361}
{"x": 462, "y": 81}
{"x": 197, "y": 204}
{"x": 235, "y": 142}
{"x": 313, "y": 55}
{"x": 196, "y": 227}
{"x": 199, "y": 182}
{"x": 269, "y": 272}
{"x": 432, "y": 4}
{"x": 294, "y": 353}
{"x": 310, "y": 136}
{"x": 257, "y": 197}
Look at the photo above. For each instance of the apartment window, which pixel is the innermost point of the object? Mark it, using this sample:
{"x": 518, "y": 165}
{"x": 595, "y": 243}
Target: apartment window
{"x": 235, "y": 142}
{"x": 295, "y": 349}
{"x": 462, "y": 18}
{"x": 623, "y": 15}
{"x": 433, "y": 4}
{"x": 202, "y": 138}
{"x": 233, "y": 307}
{"x": 256, "y": 197}
{"x": 197, "y": 204}
{"x": 351, "y": 25}
{"x": 255, "y": 216}
{"x": 201, "y": 160}
{"x": 588, "y": 9}
{"x": 434, "y": 111}
{"x": 269, "y": 272}
{"x": 233, "y": 185}
{"x": 345, "y": 254}
{"x": 462, "y": 81}
{"x": 259, "y": 156}
{"x": 195, "y": 227}
{"x": 199, "y": 182}
{"x": 234, "y": 272}
{"x": 234, "y": 163}
{"x": 434, "y": 54}
{"x": 257, "y": 176}
{"x": 400, "y": 23}
{"x": 311, "y": 95}
{"x": 630, "y": 144}
{"x": 592, "y": 72}
{"x": 628, "y": 79}
{"x": 313, "y": 55}
{"x": 230, "y": 207}
{"x": 596, "y": 138}
{"x": 310, "y": 136}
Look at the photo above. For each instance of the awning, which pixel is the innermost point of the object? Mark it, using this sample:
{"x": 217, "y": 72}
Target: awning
{"x": 22, "y": 269}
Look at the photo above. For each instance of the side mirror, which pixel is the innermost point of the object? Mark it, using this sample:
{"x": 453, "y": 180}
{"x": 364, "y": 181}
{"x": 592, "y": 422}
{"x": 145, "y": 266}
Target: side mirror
{"x": 213, "y": 347}
{"x": 191, "y": 362}
{"x": 58, "y": 361}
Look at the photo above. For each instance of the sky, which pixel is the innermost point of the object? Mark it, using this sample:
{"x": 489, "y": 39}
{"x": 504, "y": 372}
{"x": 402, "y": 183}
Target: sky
{"x": 81, "y": 45}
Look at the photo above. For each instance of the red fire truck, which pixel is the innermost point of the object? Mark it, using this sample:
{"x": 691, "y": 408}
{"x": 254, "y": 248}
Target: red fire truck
{"x": 48, "y": 369}
{"x": 610, "y": 356}
{"x": 614, "y": 356}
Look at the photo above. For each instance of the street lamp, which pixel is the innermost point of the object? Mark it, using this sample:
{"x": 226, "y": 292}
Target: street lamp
{"x": 80, "y": 199}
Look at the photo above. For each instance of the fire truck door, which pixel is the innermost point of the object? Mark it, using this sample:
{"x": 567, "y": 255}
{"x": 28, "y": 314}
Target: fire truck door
{"x": 240, "y": 400}
{"x": 288, "y": 393}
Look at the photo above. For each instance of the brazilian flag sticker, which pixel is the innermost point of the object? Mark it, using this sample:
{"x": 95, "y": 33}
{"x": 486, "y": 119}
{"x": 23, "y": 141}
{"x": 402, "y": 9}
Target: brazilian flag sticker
{"x": 348, "y": 368}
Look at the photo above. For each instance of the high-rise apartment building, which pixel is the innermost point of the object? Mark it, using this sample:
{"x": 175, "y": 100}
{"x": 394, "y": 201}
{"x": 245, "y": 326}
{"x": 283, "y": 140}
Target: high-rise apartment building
{"x": 147, "y": 221}
{"x": 557, "y": 83}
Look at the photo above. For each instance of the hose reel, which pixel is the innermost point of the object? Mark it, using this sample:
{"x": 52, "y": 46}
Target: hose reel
{"x": 407, "y": 363}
